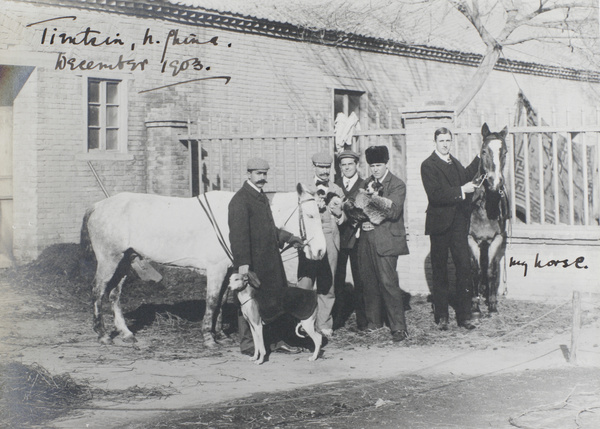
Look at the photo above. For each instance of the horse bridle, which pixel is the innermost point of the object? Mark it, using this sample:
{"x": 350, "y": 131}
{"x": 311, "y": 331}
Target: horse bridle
{"x": 483, "y": 176}
{"x": 302, "y": 224}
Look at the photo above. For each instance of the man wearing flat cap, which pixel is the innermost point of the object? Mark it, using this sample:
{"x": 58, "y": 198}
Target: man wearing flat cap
{"x": 379, "y": 247}
{"x": 322, "y": 272}
{"x": 350, "y": 182}
{"x": 255, "y": 243}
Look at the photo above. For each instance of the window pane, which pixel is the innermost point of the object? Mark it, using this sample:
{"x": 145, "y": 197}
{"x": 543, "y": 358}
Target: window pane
{"x": 354, "y": 104}
{"x": 112, "y": 119}
{"x": 338, "y": 101}
{"x": 93, "y": 92}
{"x": 93, "y": 138}
{"x": 93, "y": 115}
{"x": 112, "y": 139}
{"x": 112, "y": 93}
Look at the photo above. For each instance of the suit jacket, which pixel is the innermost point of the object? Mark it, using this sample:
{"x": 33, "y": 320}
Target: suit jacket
{"x": 347, "y": 230}
{"x": 444, "y": 195}
{"x": 390, "y": 235}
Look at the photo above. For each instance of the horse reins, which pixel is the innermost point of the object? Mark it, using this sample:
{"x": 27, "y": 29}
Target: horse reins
{"x": 213, "y": 221}
{"x": 301, "y": 222}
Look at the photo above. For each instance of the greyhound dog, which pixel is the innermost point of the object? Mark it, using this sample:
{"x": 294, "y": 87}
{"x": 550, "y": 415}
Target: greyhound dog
{"x": 245, "y": 287}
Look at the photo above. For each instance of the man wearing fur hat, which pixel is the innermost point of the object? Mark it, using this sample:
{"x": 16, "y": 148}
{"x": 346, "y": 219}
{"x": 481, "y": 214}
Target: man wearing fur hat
{"x": 255, "y": 243}
{"x": 380, "y": 244}
{"x": 350, "y": 182}
{"x": 322, "y": 272}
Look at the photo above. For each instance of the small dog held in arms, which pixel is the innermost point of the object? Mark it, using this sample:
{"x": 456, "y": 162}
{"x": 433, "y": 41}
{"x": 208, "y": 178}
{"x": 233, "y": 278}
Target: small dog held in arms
{"x": 246, "y": 287}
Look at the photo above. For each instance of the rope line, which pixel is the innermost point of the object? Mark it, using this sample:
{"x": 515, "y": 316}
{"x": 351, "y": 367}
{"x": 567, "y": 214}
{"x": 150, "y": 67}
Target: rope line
{"x": 215, "y": 225}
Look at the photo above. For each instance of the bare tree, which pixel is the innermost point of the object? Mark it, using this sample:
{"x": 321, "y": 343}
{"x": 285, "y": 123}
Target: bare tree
{"x": 569, "y": 23}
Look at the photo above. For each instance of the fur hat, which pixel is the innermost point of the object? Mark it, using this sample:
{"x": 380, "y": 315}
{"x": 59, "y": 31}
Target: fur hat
{"x": 377, "y": 155}
{"x": 322, "y": 159}
{"x": 257, "y": 164}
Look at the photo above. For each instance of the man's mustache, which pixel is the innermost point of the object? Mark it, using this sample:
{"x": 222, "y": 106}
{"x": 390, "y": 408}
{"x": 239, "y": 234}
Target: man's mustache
{"x": 261, "y": 182}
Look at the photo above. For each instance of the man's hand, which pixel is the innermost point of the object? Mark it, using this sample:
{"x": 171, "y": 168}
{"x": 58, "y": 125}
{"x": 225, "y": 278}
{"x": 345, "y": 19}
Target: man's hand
{"x": 367, "y": 226}
{"x": 296, "y": 242}
{"x": 243, "y": 269}
{"x": 468, "y": 188}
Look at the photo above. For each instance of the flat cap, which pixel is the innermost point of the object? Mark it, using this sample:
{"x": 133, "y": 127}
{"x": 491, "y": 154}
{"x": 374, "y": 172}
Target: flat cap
{"x": 257, "y": 164}
{"x": 377, "y": 155}
{"x": 348, "y": 154}
{"x": 322, "y": 159}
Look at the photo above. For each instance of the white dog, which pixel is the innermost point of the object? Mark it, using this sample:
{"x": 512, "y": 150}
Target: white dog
{"x": 245, "y": 291}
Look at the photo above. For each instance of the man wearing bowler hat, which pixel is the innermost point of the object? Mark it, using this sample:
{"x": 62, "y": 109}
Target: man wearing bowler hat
{"x": 255, "y": 243}
{"x": 378, "y": 249}
{"x": 350, "y": 182}
{"x": 322, "y": 272}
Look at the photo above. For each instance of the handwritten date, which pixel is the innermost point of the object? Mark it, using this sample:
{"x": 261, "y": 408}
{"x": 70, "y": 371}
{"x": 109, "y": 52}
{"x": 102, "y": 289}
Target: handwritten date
{"x": 178, "y": 66}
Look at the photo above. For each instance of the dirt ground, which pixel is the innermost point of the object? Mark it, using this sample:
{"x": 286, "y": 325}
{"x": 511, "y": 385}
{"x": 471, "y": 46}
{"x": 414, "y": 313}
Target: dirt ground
{"x": 512, "y": 370}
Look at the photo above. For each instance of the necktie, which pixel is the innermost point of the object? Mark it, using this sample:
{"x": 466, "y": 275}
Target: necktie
{"x": 347, "y": 185}
{"x": 322, "y": 182}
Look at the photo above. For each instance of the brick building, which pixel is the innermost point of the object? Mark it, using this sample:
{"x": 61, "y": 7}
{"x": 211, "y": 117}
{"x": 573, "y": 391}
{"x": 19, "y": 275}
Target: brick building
{"x": 151, "y": 96}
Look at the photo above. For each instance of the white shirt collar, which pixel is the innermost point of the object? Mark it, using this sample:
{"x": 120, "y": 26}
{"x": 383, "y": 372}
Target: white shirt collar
{"x": 445, "y": 158}
{"x": 254, "y": 186}
{"x": 349, "y": 182}
{"x": 384, "y": 176}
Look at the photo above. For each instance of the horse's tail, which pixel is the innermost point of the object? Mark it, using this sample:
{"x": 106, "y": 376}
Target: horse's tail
{"x": 87, "y": 257}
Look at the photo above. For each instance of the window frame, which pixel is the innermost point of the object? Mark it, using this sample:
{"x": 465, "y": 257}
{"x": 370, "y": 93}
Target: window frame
{"x": 122, "y": 116}
{"x": 346, "y": 94}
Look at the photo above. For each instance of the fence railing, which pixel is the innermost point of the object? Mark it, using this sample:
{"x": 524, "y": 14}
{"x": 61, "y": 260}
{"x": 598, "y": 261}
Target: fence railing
{"x": 219, "y": 154}
{"x": 553, "y": 172}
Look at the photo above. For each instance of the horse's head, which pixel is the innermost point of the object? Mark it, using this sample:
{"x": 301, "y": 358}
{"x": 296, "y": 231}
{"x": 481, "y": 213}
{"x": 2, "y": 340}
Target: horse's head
{"x": 493, "y": 157}
{"x": 311, "y": 228}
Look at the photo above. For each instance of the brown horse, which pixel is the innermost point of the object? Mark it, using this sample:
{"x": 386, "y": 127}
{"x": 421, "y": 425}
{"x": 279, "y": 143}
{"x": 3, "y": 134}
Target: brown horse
{"x": 489, "y": 216}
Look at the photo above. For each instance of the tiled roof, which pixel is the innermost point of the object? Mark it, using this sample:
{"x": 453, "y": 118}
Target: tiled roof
{"x": 426, "y": 29}
{"x": 433, "y": 23}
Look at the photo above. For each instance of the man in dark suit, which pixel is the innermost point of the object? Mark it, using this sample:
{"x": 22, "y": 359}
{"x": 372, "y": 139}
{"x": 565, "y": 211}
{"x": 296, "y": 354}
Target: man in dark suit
{"x": 255, "y": 243}
{"x": 448, "y": 186}
{"x": 378, "y": 249}
{"x": 350, "y": 182}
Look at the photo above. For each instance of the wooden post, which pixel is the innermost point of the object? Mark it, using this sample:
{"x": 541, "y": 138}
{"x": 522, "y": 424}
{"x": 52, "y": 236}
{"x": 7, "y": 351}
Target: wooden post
{"x": 576, "y": 328}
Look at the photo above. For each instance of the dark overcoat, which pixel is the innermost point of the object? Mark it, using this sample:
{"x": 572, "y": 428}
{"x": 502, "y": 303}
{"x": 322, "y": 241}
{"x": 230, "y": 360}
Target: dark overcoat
{"x": 444, "y": 194}
{"x": 347, "y": 230}
{"x": 390, "y": 235}
{"x": 255, "y": 241}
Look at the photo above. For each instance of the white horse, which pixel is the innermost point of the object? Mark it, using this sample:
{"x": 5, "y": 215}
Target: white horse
{"x": 177, "y": 231}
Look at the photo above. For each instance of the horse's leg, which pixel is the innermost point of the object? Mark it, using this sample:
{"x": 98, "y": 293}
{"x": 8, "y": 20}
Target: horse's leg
{"x": 104, "y": 271}
{"x": 115, "y": 301}
{"x": 475, "y": 252}
{"x": 495, "y": 251}
{"x": 214, "y": 280}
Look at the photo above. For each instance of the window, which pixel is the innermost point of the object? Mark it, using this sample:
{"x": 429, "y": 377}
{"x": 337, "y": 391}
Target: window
{"x": 346, "y": 102}
{"x": 105, "y": 110}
